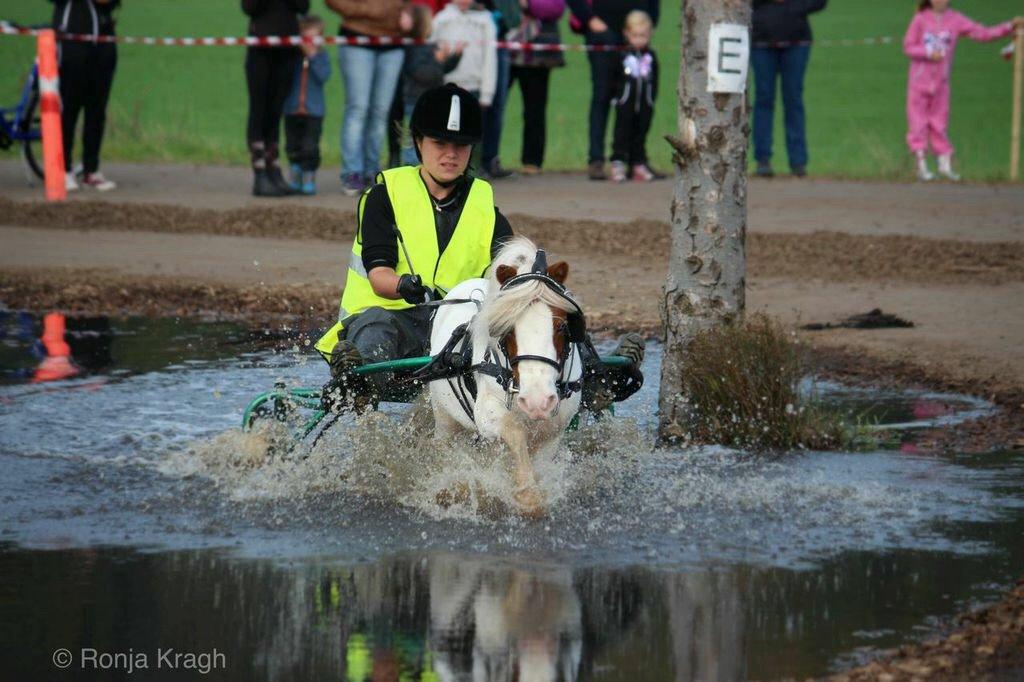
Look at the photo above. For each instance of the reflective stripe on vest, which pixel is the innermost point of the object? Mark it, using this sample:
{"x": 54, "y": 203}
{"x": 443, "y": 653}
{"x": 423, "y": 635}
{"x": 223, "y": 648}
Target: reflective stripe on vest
{"x": 466, "y": 256}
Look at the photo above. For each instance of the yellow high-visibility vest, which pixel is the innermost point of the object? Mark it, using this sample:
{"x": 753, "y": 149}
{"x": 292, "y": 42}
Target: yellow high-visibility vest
{"x": 466, "y": 256}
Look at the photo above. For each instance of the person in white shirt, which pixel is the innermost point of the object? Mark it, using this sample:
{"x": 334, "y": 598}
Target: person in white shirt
{"x": 461, "y": 23}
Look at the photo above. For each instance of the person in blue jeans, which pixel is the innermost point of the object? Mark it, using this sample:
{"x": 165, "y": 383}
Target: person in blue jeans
{"x": 781, "y": 50}
{"x": 370, "y": 76}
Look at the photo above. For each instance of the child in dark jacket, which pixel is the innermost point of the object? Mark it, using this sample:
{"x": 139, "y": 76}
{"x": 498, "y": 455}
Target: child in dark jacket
{"x": 635, "y": 87}
{"x": 304, "y": 109}
{"x": 424, "y": 68}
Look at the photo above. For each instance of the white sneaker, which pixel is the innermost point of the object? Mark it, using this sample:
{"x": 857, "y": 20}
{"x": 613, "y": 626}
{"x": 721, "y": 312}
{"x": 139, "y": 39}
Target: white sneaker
{"x": 619, "y": 171}
{"x": 98, "y": 182}
{"x": 924, "y": 174}
{"x": 70, "y": 184}
{"x": 946, "y": 168}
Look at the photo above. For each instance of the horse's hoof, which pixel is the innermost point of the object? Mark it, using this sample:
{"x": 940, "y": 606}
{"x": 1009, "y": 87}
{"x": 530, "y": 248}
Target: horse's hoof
{"x": 530, "y": 503}
{"x": 457, "y": 494}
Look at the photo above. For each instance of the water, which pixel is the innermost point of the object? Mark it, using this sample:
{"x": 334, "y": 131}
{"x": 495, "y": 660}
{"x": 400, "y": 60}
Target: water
{"x": 134, "y": 516}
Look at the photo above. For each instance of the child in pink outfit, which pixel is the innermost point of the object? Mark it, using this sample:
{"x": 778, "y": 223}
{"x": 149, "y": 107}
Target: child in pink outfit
{"x": 930, "y": 42}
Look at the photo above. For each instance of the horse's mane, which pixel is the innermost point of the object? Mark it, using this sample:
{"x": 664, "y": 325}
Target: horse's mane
{"x": 501, "y": 309}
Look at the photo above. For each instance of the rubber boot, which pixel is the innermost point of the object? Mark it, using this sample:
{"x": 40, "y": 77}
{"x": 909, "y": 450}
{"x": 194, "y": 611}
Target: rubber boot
{"x": 274, "y": 171}
{"x": 263, "y": 186}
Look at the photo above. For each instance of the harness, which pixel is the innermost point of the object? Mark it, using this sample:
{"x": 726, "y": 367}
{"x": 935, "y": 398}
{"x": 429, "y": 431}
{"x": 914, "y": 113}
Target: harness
{"x": 454, "y": 363}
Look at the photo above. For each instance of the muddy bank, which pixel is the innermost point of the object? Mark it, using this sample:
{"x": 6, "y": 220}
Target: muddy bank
{"x": 987, "y": 645}
{"x": 101, "y": 292}
{"x": 831, "y": 256}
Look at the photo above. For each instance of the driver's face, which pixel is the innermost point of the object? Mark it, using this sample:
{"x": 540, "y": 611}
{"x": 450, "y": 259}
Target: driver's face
{"x": 443, "y": 159}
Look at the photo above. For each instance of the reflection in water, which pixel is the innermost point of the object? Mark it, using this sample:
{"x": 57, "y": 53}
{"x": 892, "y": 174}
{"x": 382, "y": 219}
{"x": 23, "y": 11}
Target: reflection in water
{"x": 457, "y": 617}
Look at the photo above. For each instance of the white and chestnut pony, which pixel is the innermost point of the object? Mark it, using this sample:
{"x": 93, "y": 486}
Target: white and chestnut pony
{"x": 518, "y": 334}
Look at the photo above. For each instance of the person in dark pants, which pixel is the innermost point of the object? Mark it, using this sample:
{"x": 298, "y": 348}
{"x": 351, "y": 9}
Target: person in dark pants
{"x": 532, "y": 70}
{"x": 86, "y": 76}
{"x": 602, "y": 23}
{"x": 269, "y": 72}
{"x": 635, "y": 88}
{"x": 782, "y": 48}
{"x": 304, "y": 109}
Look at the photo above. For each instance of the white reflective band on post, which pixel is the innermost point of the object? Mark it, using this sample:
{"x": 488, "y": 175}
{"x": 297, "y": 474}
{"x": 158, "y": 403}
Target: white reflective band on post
{"x": 49, "y": 85}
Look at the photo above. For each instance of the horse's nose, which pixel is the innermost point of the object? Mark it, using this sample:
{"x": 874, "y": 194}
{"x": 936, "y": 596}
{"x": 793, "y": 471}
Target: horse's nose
{"x": 537, "y": 408}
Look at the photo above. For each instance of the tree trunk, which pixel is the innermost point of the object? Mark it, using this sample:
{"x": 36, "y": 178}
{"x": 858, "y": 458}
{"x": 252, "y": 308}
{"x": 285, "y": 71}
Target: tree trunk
{"x": 706, "y": 275}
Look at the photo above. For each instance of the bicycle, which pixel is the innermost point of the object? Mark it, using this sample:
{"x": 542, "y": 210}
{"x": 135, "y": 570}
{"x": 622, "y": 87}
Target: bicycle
{"x": 20, "y": 124}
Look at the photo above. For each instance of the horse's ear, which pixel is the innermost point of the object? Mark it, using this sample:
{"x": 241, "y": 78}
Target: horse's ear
{"x": 559, "y": 271}
{"x": 505, "y": 273}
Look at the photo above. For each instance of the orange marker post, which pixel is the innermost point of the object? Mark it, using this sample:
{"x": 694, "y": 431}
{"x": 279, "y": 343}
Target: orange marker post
{"x": 49, "y": 109}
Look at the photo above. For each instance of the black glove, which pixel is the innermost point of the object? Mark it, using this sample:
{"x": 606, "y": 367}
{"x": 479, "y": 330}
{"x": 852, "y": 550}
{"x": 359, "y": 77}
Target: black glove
{"x": 411, "y": 288}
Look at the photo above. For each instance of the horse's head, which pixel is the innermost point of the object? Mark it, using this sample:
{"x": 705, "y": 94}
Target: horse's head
{"x": 529, "y": 321}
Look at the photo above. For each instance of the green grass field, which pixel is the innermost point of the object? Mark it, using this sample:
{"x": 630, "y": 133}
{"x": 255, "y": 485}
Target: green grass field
{"x": 188, "y": 104}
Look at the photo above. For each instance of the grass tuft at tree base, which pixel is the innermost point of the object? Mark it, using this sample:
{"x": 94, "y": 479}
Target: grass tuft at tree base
{"x": 742, "y": 381}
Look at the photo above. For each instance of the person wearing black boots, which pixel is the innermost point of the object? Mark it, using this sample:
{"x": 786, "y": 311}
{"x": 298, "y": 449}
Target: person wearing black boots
{"x": 269, "y": 72}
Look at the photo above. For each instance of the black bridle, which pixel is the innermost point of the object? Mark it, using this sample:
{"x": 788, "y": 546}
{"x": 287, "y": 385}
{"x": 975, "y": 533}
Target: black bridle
{"x": 501, "y": 366}
{"x": 455, "y": 365}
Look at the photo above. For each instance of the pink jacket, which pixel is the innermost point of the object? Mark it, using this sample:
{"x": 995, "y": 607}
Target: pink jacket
{"x": 931, "y": 33}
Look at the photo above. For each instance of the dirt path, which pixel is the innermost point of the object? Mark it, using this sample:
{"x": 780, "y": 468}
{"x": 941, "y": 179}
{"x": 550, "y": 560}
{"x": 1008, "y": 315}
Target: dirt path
{"x": 940, "y": 210}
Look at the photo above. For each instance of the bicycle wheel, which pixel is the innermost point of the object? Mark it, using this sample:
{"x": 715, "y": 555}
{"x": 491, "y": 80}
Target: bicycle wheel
{"x": 32, "y": 145}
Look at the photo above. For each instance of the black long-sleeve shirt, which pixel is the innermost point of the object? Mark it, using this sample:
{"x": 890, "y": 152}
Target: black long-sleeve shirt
{"x": 613, "y": 12}
{"x": 784, "y": 22}
{"x": 84, "y": 16}
{"x": 380, "y": 245}
{"x": 274, "y": 17}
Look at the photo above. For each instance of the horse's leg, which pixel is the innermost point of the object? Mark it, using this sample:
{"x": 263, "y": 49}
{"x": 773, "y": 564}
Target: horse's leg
{"x": 527, "y": 495}
{"x": 445, "y": 428}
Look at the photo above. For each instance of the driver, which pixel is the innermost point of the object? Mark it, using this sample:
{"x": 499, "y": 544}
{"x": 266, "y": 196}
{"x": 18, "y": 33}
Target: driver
{"x": 422, "y": 230}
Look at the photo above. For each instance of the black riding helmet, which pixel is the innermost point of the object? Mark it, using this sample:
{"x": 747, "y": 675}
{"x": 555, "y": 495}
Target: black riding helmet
{"x": 447, "y": 113}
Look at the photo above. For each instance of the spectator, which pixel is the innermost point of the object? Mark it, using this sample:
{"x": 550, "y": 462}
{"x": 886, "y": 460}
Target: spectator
{"x": 304, "y": 108}
{"x": 532, "y": 70}
{"x": 397, "y": 115}
{"x": 370, "y": 74}
{"x": 459, "y": 24}
{"x": 86, "y": 76}
{"x": 601, "y": 22}
{"x": 425, "y": 69}
{"x": 930, "y": 42}
{"x": 507, "y": 16}
{"x": 635, "y": 86}
{"x": 782, "y": 48}
{"x": 269, "y": 72}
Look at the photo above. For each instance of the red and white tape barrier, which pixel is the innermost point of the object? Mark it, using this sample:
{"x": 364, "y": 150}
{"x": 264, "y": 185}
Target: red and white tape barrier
{"x": 294, "y": 41}
{"x": 384, "y": 41}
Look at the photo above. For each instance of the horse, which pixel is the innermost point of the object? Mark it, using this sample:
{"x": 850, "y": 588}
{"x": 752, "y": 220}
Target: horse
{"x": 523, "y": 329}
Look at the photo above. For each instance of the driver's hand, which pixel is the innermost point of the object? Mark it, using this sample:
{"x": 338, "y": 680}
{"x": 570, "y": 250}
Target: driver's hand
{"x": 411, "y": 289}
